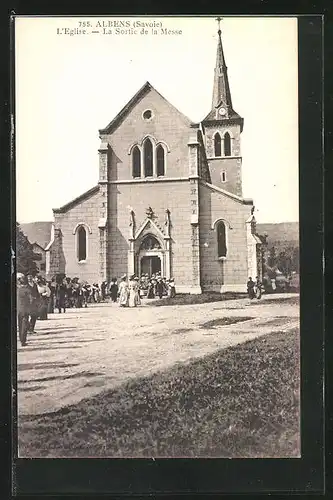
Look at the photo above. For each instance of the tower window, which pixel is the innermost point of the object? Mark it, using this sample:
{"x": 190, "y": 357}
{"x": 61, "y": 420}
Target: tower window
{"x": 227, "y": 144}
{"x": 221, "y": 240}
{"x": 217, "y": 145}
{"x": 82, "y": 244}
{"x": 160, "y": 160}
{"x": 136, "y": 162}
{"x": 223, "y": 176}
{"x": 148, "y": 158}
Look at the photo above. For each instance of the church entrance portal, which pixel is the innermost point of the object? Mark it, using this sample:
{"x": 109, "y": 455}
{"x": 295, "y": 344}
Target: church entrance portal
{"x": 149, "y": 255}
{"x": 150, "y": 265}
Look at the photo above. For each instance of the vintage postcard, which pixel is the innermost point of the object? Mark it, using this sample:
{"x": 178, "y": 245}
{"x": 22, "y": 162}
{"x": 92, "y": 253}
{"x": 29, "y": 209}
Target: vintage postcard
{"x": 157, "y": 247}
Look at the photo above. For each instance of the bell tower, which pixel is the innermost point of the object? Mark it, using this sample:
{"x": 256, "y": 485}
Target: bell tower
{"x": 222, "y": 128}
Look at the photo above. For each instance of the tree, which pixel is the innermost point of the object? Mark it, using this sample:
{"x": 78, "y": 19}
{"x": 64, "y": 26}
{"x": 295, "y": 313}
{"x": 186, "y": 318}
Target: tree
{"x": 284, "y": 263}
{"x": 295, "y": 259}
{"x": 272, "y": 260}
{"x": 25, "y": 256}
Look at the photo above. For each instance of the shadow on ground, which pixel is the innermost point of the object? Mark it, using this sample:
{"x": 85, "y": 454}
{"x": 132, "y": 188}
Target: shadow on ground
{"x": 62, "y": 377}
{"x": 47, "y": 348}
{"x": 44, "y": 366}
{"x": 224, "y": 322}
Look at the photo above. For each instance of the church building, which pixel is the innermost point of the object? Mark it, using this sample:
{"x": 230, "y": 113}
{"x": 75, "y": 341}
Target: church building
{"x": 169, "y": 199}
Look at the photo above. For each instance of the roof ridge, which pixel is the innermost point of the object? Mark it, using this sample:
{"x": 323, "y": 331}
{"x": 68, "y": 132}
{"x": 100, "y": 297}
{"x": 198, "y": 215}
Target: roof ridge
{"x": 130, "y": 104}
{"x": 76, "y": 200}
{"x": 245, "y": 201}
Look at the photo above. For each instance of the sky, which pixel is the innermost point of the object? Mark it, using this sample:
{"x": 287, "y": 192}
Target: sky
{"x": 68, "y": 86}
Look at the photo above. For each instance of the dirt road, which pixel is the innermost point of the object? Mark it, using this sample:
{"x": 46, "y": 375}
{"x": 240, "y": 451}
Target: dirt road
{"x": 85, "y": 351}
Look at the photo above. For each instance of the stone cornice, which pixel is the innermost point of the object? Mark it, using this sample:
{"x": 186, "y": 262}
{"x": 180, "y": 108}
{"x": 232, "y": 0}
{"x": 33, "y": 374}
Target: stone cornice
{"x": 224, "y": 158}
{"x": 226, "y": 121}
{"x": 147, "y": 180}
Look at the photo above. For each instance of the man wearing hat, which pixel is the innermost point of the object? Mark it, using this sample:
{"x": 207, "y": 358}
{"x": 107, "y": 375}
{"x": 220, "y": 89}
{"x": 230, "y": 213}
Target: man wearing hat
{"x": 44, "y": 293}
{"x": 35, "y": 302}
{"x": 159, "y": 287}
{"x": 24, "y": 300}
{"x": 113, "y": 290}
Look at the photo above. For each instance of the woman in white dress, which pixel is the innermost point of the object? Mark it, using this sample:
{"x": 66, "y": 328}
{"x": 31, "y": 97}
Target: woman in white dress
{"x": 137, "y": 288}
{"x": 134, "y": 297}
{"x": 123, "y": 292}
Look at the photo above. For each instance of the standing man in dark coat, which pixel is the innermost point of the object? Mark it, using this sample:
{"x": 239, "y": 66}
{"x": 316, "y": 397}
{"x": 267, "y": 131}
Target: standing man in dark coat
{"x": 250, "y": 288}
{"x": 103, "y": 290}
{"x": 159, "y": 288}
{"x": 69, "y": 292}
{"x": 113, "y": 290}
{"x": 52, "y": 286}
{"x": 24, "y": 299}
{"x": 35, "y": 303}
{"x": 61, "y": 295}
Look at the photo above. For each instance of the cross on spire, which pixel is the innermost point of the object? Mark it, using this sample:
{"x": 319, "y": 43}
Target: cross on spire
{"x": 219, "y": 19}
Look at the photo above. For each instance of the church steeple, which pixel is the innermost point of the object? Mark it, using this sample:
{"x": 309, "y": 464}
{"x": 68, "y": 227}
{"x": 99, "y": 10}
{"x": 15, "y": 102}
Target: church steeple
{"x": 222, "y": 128}
{"x": 221, "y": 103}
{"x": 221, "y": 89}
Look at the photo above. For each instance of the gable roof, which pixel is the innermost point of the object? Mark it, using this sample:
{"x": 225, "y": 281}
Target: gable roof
{"x": 77, "y": 200}
{"x": 38, "y": 232}
{"x": 244, "y": 201}
{"x": 118, "y": 119}
{"x": 148, "y": 223}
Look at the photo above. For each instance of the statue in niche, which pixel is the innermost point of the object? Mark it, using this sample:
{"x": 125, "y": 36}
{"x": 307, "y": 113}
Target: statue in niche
{"x": 167, "y": 221}
{"x": 167, "y": 217}
{"x": 150, "y": 213}
{"x": 132, "y": 223}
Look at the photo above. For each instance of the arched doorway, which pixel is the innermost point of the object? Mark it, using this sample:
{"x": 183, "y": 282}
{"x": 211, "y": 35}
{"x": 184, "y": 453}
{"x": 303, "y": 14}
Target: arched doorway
{"x": 150, "y": 264}
{"x": 150, "y": 256}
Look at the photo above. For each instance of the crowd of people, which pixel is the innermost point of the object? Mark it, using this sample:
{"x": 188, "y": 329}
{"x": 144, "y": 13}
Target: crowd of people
{"x": 132, "y": 290}
{"x": 36, "y": 297}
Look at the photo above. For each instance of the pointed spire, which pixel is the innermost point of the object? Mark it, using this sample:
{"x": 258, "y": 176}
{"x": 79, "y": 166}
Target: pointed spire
{"x": 221, "y": 103}
{"x": 221, "y": 89}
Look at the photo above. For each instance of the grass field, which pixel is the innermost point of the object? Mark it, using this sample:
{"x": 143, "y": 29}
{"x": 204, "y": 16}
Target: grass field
{"x": 239, "y": 402}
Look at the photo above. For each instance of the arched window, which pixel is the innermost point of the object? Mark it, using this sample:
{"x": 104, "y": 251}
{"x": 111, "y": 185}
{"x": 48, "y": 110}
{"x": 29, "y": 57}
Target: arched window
{"x": 81, "y": 244}
{"x": 150, "y": 243}
{"x": 217, "y": 145}
{"x": 160, "y": 160}
{"x": 136, "y": 162}
{"x": 227, "y": 144}
{"x": 221, "y": 240}
{"x": 148, "y": 158}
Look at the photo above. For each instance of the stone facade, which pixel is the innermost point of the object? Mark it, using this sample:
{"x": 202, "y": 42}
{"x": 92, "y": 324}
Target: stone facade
{"x": 41, "y": 262}
{"x": 67, "y": 220}
{"x": 142, "y": 215}
{"x": 231, "y": 272}
{"x": 230, "y": 165}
